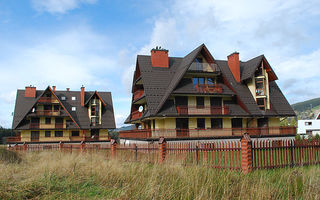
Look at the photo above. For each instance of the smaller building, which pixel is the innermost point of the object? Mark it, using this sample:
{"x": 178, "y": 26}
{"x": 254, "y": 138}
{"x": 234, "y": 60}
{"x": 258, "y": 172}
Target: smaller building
{"x": 309, "y": 127}
{"x": 52, "y": 115}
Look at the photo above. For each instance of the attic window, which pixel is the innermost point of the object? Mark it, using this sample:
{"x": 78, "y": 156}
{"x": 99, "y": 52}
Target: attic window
{"x": 63, "y": 98}
{"x": 308, "y": 123}
{"x": 73, "y": 98}
{"x": 74, "y": 108}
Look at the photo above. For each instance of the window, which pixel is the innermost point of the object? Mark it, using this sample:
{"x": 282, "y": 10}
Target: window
{"x": 58, "y": 134}
{"x": 201, "y": 123}
{"x": 261, "y": 103}
{"x": 47, "y": 107}
{"x": 75, "y": 133}
{"x": 198, "y": 81}
{"x": 48, "y": 120}
{"x": 56, "y": 107}
{"x": 74, "y": 108}
{"x": 216, "y": 123}
{"x": 236, "y": 123}
{"x": 211, "y": 81}
{"x": 63, "y": 98}
{"x": 47, "y": 134}
{"x": 200, "y": 102}
{"x": 308, "y": 123}
{"x": 73, "y": 98}
{"x": 199, "y": 65}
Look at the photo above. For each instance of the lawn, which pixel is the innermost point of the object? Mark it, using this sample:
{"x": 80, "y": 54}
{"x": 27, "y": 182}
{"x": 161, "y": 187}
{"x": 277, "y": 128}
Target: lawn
{"x": 59, "y": 175}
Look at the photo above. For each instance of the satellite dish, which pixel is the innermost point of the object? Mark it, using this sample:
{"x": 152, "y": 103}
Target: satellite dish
{"x": 140, "y": 108}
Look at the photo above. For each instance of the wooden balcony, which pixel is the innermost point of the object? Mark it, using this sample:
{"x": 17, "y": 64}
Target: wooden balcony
{"x": 47, "y": 100}
{"x": 138, "y": 94}
{"x": 13, "y": 139}
{"x": 136, "y": 115}
{"x": 206, "y": 133}
{"x": 203, "y": 110}
{"x": 47, "y": 126}
{"x": 209, "y": 88}
{"x": 48, "y": 112}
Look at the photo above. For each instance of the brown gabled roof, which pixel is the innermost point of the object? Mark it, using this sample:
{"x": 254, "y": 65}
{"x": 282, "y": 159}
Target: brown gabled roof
{"x": 25, "y": 104}
{"x": 160, "y": 83}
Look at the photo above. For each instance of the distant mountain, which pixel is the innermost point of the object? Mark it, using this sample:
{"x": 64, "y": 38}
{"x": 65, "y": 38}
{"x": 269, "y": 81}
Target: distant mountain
{"x": 125, "y": 128}
{"x": 306, "y": 105}
{"x": 307, "y": 109}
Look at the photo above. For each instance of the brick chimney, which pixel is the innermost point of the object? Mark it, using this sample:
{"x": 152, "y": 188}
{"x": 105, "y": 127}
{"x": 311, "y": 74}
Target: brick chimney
{"x": 82, "y": 96}
{"x": 54, "y": 88}
{"x": 159, "y": 57}
{"x": 234, "y": 65}
{"x": 30, "y": 91}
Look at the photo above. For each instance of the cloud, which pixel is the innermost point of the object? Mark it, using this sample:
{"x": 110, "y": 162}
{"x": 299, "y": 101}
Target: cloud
{"x": 279, "y": 30}
{"x": 58, "y": 6}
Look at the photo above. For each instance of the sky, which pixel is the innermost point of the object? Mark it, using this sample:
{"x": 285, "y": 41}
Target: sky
{"x": 70, "y": 43}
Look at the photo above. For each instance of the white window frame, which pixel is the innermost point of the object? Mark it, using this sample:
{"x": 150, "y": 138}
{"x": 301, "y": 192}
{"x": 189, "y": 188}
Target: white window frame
{"x": 63, "y": 98}
{"x": 74, "y": 108}
{"x": 74, "y": 98}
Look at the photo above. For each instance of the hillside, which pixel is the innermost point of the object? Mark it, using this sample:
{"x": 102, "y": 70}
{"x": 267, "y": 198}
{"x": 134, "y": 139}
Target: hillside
{"x": 307, "y": 109}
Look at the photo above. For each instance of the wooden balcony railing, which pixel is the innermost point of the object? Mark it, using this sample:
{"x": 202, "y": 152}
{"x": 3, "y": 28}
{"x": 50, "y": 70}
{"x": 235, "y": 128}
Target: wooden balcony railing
{"x": 138, "y": 94}
{"x": 136, "y": 115}
{"x": 46, "y": 126}
{"x": 142, "y": 133}
{"x": 203, "y": 110}
{"x": 209, "y": 88}
{"x": 13, "y": 139}
{"x": 197, "y": 133}
{"x": 48, "y": 112}
{"x": 47, "y": 100}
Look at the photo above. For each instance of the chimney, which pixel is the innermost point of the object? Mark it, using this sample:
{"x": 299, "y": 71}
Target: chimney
{"x": 54, "y": 88}
{"x": 159, "y": 57}
{"x": 30, "y": 91}
{"x": 234, "y": 65}
{"x": 82, "y": 96}
{"x": 68, "y": 89}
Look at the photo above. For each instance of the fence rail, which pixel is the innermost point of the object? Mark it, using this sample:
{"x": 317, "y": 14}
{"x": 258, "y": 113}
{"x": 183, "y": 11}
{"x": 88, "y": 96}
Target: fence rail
{"x": 243, "y": 154}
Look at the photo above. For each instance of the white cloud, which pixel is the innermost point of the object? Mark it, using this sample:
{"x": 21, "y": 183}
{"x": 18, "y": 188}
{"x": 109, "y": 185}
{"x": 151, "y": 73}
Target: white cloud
{"x": 58, "y": 6}
{"x": 277, "y": 29}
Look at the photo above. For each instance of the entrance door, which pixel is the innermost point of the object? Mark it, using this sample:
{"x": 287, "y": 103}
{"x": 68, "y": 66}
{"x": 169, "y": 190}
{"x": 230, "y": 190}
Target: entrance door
{"x": 263, "y": 125}
{"x": 182, "y": 105}
{"x": 182, "y": 127}
{"x": 35, "y": 122}
{"x": 35, "y": 136}
{"x": 216, "y": 105}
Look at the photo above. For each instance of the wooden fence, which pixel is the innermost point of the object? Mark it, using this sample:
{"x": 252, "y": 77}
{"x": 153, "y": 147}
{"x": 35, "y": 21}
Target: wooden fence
{"x": 244, "y": 155}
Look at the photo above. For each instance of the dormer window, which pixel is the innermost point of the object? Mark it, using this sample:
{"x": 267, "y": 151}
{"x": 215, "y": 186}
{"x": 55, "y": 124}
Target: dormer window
{"x": 74, "y": 108}
{"x": 63, "y": 98}
{"x": 73, "y": 98}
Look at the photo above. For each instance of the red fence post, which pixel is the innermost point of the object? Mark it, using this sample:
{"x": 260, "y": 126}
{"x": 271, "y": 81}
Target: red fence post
{"x": 25, "y": 146}
{"x": 113, "y": 148}
{"x": 82, "y": 146}
{"x": 246, "y": 153}
{"x": 162, "y": 149}
{"x": 60, "y": 146}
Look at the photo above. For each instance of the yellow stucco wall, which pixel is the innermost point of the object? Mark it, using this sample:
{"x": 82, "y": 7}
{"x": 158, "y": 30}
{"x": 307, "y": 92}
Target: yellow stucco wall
{"x": 274, "y": 122}
{"x": 26, "y": 135}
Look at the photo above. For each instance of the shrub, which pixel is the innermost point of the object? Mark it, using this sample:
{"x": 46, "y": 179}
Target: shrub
{"x": 7, "y": 156}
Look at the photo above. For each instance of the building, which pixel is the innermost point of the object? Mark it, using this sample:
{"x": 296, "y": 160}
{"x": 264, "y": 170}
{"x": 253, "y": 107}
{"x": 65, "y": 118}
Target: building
{"x": 197, "y": 96}
{"x": 309, "y": 127}
{"x": 52, "y": 115}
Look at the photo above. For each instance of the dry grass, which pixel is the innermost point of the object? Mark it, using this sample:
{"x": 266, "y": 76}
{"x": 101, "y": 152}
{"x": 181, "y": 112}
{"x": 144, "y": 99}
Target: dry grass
{"x": 58, "y": 175}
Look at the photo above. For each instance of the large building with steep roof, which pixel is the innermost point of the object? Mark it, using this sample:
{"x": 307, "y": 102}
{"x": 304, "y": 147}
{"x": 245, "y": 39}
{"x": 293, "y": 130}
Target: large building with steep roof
{"x": 197, "y": 96}
{"x": 52, "y": 115}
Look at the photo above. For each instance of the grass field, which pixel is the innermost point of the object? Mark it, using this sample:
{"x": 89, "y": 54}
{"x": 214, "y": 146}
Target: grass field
{"x": 58, "y": 175}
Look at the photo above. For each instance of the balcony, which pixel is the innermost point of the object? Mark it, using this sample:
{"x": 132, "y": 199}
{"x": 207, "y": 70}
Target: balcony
{"x": 13, "y": 139}
{"x": 209, "y": 88}
{"x": 137, "y": 94}
{"x": 136, "y": 115}
{"x": 203, "y": 67}
{"x": 203, "y": 133}
{"x": 203, "y": 110}
{"x": 46, "y": 126}
{"x": 48, "y": 112}
{"x": 47, "y": 100}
